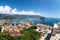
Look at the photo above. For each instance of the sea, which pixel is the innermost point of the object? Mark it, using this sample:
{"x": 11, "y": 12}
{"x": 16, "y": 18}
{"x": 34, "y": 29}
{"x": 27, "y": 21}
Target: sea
{"x": 47, "y": 21}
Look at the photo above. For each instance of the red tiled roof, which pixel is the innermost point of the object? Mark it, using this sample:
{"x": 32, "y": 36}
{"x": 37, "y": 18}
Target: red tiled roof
{"x": 43, "y": 26}
{"x": 26, "y": 22}
{"x": 15, "y": 32}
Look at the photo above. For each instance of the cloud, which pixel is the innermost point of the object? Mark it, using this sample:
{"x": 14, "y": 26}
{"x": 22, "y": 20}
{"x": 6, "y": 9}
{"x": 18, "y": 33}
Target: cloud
{"x": 5, "y": 9}
{"x": 8, "y": 10}
{"x": 14, "y": 11}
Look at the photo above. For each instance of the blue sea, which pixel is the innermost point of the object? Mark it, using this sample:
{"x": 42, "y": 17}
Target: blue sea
{"x": 47, "y": 21}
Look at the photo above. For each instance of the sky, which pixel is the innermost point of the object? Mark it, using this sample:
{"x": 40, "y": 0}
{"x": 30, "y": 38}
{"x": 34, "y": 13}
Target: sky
{"x": 47, "y": 8}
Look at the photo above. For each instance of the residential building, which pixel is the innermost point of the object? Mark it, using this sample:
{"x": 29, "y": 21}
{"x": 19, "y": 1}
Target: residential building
{"x": 2, "y": 22}
{"x": 55, "y": 32}
{"x": 55, "y": 29}
{"x": 43, "y": 28}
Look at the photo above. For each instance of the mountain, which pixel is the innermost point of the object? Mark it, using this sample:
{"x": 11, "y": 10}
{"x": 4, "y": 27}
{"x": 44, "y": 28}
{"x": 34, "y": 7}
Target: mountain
{"x": 17, "y": 16}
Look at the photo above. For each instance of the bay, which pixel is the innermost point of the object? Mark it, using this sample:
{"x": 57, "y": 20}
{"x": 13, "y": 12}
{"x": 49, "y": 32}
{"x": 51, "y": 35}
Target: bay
{"x": 47, "y": 21}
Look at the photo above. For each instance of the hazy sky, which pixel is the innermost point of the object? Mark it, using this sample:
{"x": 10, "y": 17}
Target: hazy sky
{"x": 49, "y": 8}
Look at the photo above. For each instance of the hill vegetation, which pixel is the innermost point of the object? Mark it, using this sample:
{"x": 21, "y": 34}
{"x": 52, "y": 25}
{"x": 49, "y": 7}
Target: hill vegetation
{"x": 26, "y": 34}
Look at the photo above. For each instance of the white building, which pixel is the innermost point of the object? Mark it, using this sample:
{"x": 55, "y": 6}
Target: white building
{"x": 56, "y": 36}
{"x": 2, "y": 22}
{"x": 55, "y": 29}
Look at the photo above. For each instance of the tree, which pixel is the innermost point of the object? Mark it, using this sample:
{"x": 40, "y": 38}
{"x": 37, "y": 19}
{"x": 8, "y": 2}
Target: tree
{"x": 26, "y": 34}
{"x": 30, "y": 34}
{"x": 0, "y": 28}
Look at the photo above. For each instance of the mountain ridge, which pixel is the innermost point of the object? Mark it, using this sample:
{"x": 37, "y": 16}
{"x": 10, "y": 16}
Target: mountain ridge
{"x": 19, "y": 16}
